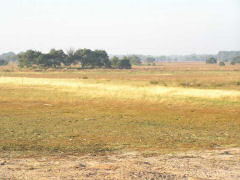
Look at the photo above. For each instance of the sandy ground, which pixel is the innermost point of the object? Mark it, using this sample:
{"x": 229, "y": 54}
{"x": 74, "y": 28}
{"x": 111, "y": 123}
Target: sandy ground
{"x": 217, "y": 164}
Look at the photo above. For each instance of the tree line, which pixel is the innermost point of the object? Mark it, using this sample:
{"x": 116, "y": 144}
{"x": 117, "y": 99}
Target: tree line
{"x": 233, "y": 61}
{"x": 58, "y": 58}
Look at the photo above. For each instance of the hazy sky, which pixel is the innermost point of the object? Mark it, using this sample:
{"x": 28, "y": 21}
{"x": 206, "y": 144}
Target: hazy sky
{"x": 153, "y": 27}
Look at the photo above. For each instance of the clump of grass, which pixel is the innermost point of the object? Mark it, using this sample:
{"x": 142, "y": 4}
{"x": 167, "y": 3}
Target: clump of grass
{"x": 190, "y": 84}
{"x": 185, "y": 84}
{"x": 218, "y": 84}
{"x": 163, "y": 83}
{"x": 154, "y": 82}
{"x": 6, "y": 70}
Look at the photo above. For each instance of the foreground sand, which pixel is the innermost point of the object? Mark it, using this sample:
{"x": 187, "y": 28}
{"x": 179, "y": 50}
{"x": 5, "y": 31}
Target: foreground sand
{"x": 217, "y": 164}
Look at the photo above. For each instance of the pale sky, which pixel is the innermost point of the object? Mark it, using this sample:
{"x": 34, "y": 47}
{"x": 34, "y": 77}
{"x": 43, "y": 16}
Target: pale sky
{"x": 151, "y": 27}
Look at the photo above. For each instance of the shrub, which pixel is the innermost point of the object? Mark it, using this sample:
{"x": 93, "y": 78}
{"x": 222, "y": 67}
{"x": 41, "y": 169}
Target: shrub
{"x": 221, "y": 63}
{"x": 235, "y": 60}
{"x": 153, "y": 82}
{"x": 3, "y": 62}
{"x": 124, "y": 63}
{"x": 185, "y": 84}
{"x": 211, "y": 60}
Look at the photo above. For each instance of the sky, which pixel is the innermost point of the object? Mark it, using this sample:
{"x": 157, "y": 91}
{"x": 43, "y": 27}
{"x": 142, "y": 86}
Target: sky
{"x": 150, "y": 27}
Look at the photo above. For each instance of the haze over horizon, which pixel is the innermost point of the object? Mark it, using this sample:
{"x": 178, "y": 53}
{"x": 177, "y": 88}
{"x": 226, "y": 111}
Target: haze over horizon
{"x": 150, "y": 27}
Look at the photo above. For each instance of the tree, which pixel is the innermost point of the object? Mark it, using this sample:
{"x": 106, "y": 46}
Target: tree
{"x": 115, "y": 62}
{"x": 52, "y": 59}
{"x": 9, "y": 56}
{"x": 124, "y": 63}
{"x": 56, "y": 57}
{"x": 221, "y": 63}
{"x": 101, "y": 59}
{"x": 150, "y": 60}
{"x": 44, "y": 61}
{"x": 84, "y": 56}
{"x": 211, "y": 60}
{"x": 235, "y": 60}
{"x": 70, "y": 58}
{"x": 3, "y": 62}
{"x": 135, "y": 60}
{"x": 29, "y": 58}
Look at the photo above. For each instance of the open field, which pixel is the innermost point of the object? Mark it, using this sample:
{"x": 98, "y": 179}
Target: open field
{"x": 108, "y": 110}
{"x": 167, "y": 108}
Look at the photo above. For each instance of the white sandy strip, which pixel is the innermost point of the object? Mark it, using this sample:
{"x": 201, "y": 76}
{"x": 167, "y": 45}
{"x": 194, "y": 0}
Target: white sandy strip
{"x": 126, "y": 91}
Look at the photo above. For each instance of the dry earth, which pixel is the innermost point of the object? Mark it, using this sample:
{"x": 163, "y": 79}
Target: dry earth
{"x": 194, "y": 165}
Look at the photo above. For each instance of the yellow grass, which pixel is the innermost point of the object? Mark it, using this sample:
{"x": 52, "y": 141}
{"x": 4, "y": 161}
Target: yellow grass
{"x": 110, "y": 90}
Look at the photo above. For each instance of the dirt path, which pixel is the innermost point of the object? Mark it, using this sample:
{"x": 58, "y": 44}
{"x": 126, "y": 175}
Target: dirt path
{"x": 217, "y": 164}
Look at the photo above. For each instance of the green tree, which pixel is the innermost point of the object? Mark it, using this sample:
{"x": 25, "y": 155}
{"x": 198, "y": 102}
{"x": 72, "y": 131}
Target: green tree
{"x": 56, "y": 57}
{"x": 28, "y": 59}
{"x": 101, "y": 59}
{"x": 235, "y": 60}
{"x": 3, "y": 62}
{"x": 52, "y": 59}
{"x": 115, "y": 62}
{"x": 134, "y": 60}
{"x": 84, "y": 56}
{"x": 70, "y": 58}
{"x": 124, "y": 63}
{"x": 44, "y": 61}
{"x": 211, "y": 60}
{"x": 221, "y": 63}
{"x": 150, "y": 60}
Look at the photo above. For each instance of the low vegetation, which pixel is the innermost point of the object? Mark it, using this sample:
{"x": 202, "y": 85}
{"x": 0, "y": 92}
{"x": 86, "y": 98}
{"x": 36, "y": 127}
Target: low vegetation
{"x": 155, "y": 109}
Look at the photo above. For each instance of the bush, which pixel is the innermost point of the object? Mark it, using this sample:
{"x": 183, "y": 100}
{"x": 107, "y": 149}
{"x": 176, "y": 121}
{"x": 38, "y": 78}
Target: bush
{"x": 3, "y": 62}
{"x": 235, "y": 60}
{"x": 211, "y": 60}
{"x": 154, "y": 82}
{"x": 123, "y": 63}
{"x": 185, "y": 84}
{"x": 221, "y": 63}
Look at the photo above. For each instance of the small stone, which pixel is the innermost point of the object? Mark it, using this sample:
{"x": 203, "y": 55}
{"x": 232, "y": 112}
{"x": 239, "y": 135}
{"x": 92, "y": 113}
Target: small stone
{"x": 226, "y": 153}
{"x": 81, "y": 166}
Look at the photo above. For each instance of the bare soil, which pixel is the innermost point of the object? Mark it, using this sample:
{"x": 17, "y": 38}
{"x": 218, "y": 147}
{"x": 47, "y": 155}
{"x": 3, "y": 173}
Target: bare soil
{"x": 194, "y": 165}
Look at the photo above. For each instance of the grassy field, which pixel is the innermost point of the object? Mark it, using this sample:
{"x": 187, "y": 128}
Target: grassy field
{"x": 169, "y": 107}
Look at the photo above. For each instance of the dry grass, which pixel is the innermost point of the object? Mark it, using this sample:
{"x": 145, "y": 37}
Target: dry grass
{"x": 45, "y": 112}
{"x": 194, "y": 74}
{"x": 102, "y": 89}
